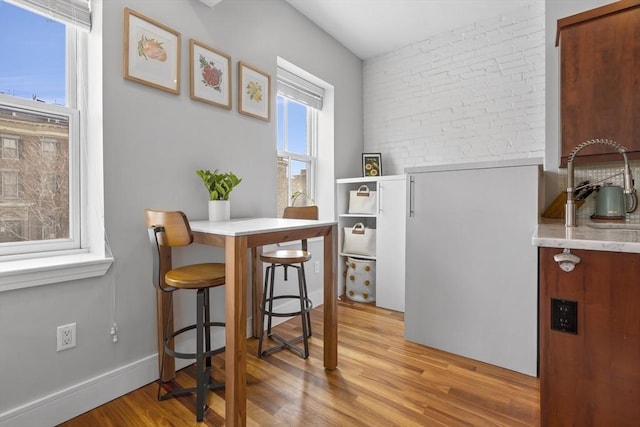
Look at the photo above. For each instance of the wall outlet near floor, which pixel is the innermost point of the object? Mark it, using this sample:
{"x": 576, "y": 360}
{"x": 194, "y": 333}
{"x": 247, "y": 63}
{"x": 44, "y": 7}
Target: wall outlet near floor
{"x": 66, "y": 336}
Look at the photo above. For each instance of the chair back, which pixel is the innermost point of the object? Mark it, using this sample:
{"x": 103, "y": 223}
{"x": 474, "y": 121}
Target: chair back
{"x": 177, "y": 231}
{"x": 166, "y": 229}
{"x": 301, "y": 212}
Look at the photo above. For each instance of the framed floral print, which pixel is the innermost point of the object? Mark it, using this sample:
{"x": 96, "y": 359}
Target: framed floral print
{"x": 210, "y": 75}
{"x": 371, "y": 164}
{"x": 151, "y": 52}
{"x": 254, "y": 92}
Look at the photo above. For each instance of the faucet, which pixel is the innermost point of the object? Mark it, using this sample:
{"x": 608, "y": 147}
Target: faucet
{"x": 570, "y": 207}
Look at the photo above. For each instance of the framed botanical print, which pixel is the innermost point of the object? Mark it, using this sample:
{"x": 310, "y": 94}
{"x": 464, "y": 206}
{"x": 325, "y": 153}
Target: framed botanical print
{"x": 210, "y": 75}
{"x": 151, "y": 52}
{"x": 254, "y": 92}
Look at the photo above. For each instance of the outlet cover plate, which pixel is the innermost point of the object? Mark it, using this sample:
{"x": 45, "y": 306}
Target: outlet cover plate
{"x": 66, "y": 337}
{"x": 564, "y": 315}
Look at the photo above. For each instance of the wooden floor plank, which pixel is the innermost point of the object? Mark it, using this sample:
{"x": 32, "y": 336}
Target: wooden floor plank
{"x": 381, "y": 380}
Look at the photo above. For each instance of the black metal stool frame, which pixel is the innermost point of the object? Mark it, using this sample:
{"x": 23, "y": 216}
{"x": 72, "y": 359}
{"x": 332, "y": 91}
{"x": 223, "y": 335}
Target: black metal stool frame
{"x": 203, "y": 353}
{"x": 202, "y": 356}
{"x": 305, "y": 307}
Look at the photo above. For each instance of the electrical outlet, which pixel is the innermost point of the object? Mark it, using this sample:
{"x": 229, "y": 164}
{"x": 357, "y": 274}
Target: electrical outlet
{"x": 316, "y": 267}
{"x": 66, "y": 336}
{"x": 564, "y": 315}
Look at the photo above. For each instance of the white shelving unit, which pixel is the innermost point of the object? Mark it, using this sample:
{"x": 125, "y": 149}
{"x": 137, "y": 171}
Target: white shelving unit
{"x": 389, "y": 220}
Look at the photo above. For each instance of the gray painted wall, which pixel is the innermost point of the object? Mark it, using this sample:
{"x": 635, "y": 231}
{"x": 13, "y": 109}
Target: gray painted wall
{"x": 153, "y": 143}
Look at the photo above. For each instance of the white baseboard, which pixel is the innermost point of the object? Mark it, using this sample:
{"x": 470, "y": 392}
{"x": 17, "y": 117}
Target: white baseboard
{"x": 68, "y": 403}
{"x": 65, "y": 404}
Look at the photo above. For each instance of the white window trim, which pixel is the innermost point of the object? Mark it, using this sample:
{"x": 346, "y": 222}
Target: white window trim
{"x": 312, "y": 148}
{"x": 94, "y": 260}
{"x": 31, "y": 272}
{"x": 325, "y": 167}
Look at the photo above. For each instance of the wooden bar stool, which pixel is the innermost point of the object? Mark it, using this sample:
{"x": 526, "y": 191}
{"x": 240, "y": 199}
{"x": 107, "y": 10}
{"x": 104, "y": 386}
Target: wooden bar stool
{"x": 169, "y": 229}
{"x": 286, "y": 259}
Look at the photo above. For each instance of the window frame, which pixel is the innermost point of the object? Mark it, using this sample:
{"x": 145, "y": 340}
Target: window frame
{"x": 312, "y": 147}
{"x": 4, "y": 150}
{"x": 26, "y": 249}
{"x": 94, "y": 257}
{"x": 3, "y": 184}
{"x": 50, "y": 155}
{"x": 36, "y": 248}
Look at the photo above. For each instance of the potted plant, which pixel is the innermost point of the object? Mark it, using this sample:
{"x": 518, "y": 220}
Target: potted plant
{"x": 219, "y": 185}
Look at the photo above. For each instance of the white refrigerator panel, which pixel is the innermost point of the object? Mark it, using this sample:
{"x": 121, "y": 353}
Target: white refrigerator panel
{"x": 471, "y": 277}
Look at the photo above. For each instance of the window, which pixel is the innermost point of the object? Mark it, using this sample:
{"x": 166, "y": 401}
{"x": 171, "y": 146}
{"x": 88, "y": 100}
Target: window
{"x": 296, "y": 150}
{"x": 52, "y": 91}
{"x": 9, "y": 148}
{"x": 49, "y": 149}
{"x": 298, "y": 103}
{"x": 40, "y": 199}
{"x": 8, "y": 185}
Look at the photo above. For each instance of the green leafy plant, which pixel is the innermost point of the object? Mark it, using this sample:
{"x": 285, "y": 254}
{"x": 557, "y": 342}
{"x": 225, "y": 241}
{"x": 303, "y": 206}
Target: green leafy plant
{"x": 219, "y": 185}
{"x": 306, "y": 198}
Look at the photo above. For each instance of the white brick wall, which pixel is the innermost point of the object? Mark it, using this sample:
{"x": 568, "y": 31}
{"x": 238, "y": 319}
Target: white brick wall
{"x": 472, "y": 94}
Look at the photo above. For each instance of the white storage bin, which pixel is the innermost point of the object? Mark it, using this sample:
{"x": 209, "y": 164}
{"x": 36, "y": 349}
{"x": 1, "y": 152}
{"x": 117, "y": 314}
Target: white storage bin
{"x": 361, "y": 279}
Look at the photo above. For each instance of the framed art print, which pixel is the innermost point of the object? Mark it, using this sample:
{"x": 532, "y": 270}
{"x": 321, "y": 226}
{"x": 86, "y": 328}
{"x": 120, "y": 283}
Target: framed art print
{"x": 151, "y": 52}
{"x": 371, "y": 164}
{"x": 210, "y": 75}
{"x": 254, "y": 92}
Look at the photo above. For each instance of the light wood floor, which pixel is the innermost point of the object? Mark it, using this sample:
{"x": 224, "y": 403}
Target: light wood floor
{"x": 381, "y": 380}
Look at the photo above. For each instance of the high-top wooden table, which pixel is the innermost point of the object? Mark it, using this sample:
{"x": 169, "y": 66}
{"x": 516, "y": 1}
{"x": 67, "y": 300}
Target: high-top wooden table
{"x": 237, "y": 236}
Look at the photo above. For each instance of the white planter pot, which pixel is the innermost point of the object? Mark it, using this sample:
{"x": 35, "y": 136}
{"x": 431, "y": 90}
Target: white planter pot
{"x": 219, "y": 210}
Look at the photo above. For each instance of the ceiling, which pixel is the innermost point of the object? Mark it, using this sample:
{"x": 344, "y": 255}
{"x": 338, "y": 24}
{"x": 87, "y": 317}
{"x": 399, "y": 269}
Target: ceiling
{"x": 370, "y": 28}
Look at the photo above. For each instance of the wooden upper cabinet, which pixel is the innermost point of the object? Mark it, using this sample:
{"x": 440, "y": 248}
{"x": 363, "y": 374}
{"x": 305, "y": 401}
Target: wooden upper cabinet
{"x": 600, "y": 80}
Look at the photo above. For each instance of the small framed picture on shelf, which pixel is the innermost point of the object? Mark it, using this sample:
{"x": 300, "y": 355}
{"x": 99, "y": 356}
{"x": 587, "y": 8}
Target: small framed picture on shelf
{"x": 371, "y": 164}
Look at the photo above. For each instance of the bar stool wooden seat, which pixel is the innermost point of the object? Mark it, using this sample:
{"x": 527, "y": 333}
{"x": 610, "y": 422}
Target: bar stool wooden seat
{"x": 168, "y": 229}
{"x": 289, "y": 258}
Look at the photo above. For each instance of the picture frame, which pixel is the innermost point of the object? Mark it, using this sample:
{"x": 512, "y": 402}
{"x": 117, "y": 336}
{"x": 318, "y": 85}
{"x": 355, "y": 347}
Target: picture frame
{"x": 371, "y": 164}
{"x": 209, "y": 75}
{"x": 254, "y": 92}
{"x": 151, "y": 52}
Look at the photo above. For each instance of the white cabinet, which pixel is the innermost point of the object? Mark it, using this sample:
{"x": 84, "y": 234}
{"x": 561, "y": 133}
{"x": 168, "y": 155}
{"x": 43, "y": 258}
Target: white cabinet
{"x": 471, "y": 270}
{"x": 389, "y": 220}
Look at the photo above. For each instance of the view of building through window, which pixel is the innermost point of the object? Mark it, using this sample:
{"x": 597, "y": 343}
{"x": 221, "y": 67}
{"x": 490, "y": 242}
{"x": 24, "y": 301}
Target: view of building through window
{"x": 296, "y": 147}
{"x": 34, "y": 141}
{"x": 34, "y": 176}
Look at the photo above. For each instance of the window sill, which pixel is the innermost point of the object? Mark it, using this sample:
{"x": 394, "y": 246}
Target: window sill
{"x": 26, "y": 273}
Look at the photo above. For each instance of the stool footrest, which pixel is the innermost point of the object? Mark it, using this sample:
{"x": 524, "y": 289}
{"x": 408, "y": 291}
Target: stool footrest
{"x": 283, "y": 343}
{"x": 178, "y": 391}
{"x": 188, "y": 328}
{"x": 307, "y": 302}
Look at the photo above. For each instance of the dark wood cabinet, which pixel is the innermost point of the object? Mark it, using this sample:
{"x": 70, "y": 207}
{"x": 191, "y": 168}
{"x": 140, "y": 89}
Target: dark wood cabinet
{"x": 591, "y": 378}
{"x": 600, "y": 80}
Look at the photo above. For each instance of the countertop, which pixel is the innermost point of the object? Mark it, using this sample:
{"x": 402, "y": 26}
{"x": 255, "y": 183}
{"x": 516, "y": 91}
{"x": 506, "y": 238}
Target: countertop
{"x": 554, "y": 234}
{"x": 247, "y": 226}
{"x": 507, "y": 163}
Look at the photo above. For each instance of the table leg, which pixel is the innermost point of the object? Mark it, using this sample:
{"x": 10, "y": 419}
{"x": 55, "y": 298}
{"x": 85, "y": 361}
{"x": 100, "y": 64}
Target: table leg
{"x": 330, "y": 303}
{"x": 257, "y": 290}
{"x": 235, "y": 331}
